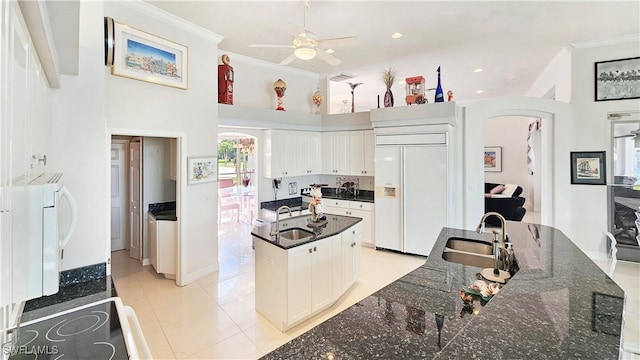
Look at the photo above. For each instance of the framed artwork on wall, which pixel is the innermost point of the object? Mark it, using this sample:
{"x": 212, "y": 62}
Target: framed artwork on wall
{"x": 588, "y": 168}
{"x": 146, "y": 57}
{"x": 493, "y": 158}
{"x": 617, "y": 79}
{"x": 202, "y": 169}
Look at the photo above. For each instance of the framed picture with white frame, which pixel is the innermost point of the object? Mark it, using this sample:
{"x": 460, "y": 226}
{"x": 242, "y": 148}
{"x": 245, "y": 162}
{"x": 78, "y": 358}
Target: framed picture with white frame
{"x": 202, "y": 169}
{"x": 493, "y": 159}
{"x": 146, "y": 57}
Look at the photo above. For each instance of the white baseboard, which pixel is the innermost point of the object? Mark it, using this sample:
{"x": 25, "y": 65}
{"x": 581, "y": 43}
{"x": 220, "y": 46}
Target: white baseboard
{"x": 146, "y": 262}
{"x": 197, "y": 275}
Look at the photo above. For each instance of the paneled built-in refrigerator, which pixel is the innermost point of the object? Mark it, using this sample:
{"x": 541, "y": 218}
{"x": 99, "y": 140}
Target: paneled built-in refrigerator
{"x": 411, "y": 186}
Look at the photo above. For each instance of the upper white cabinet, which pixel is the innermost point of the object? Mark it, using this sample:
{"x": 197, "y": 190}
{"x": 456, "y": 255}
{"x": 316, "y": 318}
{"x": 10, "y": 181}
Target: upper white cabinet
{"x": 335, "y": 152}
{"x": 291, "y": 153}
{"x": 361, "y": 153}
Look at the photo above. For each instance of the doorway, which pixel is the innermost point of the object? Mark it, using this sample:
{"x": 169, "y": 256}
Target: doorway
{"x": 140, "y": 175}
{"x": 513, "y": 156}
{"x": 237, "y": 199}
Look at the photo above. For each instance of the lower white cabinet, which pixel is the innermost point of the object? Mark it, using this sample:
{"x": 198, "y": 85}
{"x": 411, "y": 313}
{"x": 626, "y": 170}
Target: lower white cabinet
{"x": 360, "y": 209}
{"x": 162, "y": 246}
{"x": 293, "y": 285}
{"x": 351, "y": 241}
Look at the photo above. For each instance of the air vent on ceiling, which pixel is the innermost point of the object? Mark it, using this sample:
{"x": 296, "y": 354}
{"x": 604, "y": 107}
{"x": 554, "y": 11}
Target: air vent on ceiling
{"x": 341, "y": 77}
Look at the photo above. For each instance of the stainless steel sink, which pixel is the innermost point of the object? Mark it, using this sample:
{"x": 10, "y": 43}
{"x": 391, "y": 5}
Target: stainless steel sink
{"x": 469, "y": 252}
{"x": 482, "y": 261}
{"x": 296, "y": 234}
{"x": 470, "y": 246}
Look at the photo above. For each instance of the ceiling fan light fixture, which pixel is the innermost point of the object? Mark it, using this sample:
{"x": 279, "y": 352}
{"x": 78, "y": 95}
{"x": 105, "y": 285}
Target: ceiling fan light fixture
{"x": 305, "y": 52}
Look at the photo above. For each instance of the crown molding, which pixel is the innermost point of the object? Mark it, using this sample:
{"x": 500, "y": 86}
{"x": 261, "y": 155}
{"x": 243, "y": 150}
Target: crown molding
{"x": 607, "y": 42}
{"x": 168, "y": 18}
{"x": 269, "y": 65}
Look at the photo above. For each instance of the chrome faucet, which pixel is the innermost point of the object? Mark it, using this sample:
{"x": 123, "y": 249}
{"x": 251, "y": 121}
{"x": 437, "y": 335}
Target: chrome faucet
{"x": 480, "y": 228}
{"x": 277, "y": 232}
{"x": 498, "y": 274}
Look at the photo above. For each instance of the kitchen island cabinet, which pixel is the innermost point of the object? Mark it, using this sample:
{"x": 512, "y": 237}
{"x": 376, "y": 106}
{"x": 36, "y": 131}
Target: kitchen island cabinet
{"x": 559, "y": 305}
{"x": 296, "y": 279}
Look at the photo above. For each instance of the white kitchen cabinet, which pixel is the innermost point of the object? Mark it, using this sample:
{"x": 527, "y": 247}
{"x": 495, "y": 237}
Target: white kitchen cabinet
{"x": 361, "y": 153}
{"x": 363, "y": 210}
{"x": 293, "y": 285}
{"x": 310, "y": 275}
{"x": 291, "y": 153}
{"x": 335, "y": 152}
{"x": 351, "y": 253}
{"x": 162, "y": 246}
{"x": 309, "y": 150}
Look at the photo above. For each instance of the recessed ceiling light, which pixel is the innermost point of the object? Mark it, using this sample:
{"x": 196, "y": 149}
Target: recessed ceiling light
{"x": 329, "y": 51}
{"x": 397, "y": 35}
{"x": 478, "y": 70}
{"x": 479, "y": 92}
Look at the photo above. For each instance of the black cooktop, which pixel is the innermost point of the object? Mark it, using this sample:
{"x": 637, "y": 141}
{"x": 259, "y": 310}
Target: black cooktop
{"x": 92, "y": 332}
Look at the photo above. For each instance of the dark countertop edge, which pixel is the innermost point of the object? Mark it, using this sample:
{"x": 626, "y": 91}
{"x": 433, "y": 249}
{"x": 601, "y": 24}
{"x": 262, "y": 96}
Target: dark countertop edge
{"x": 272, "y": 241}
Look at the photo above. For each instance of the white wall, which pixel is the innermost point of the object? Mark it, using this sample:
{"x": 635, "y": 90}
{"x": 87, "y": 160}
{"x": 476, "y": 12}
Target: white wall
{"x": 145, "y": 107}
{"x": 510, "y": 133}
{"x": 253, "y": 85}
{"x": 80, "y": 143}
{"x": 589, "y": 131}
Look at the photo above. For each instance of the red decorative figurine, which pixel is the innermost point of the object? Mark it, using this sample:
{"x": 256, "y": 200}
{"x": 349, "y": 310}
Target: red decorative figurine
{"x": 225, "y": 81}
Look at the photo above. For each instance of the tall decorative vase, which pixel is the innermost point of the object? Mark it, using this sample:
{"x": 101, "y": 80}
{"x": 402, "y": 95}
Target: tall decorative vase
{"x": 279, "y": 87}
{"x": 388, "y": 98}
{"x": 439, "y": 93}
{"x": 317, "y": 100}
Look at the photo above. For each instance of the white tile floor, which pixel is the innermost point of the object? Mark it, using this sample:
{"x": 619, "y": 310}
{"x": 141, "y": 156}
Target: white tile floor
{"x": 214, "y": 318}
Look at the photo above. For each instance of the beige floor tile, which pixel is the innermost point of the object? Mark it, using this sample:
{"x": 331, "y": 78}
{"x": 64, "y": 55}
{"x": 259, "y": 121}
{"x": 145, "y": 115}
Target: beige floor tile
{"x": 157, "y": 342}
{"x": 238, "y": 346}
{"x": 236, "y": 288}
{"x": 193, "y": 334}
{"x": 266, "y": 337}
{"x": 242, "y": 311}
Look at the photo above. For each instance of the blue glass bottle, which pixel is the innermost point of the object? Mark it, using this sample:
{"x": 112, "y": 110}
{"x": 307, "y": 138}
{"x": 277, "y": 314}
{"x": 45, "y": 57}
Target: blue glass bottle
{"x": 439, "y": 93}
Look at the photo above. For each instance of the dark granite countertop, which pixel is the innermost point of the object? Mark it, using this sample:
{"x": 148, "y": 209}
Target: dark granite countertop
{"x": 335, "y": 225}
{"x": 559, "y": 305}
{"x": 163, "y": 211}
{"x": 69, "y": 297}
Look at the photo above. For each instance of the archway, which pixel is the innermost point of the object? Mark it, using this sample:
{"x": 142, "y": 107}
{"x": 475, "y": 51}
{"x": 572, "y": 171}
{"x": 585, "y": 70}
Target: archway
{"x": 558, "y": 117}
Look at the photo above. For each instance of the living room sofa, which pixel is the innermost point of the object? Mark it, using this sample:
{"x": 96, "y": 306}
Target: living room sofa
{"x": 508, "y": 206}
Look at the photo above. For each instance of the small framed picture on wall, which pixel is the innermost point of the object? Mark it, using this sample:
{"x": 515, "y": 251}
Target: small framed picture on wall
{"x": 493, "y": 158}
{"x": 588, "y": 168}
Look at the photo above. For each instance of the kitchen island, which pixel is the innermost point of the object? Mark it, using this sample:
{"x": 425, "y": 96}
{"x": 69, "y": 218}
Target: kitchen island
{"x": 559, "y": 305}
{"x": 297, "y": 278}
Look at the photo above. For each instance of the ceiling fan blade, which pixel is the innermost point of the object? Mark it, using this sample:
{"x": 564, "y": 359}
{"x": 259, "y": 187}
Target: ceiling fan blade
{"x": 270, "y": 46}
{"x": 339, "y": 42}
{"x": 623, "y": 136}
{"x": 288, "y": 60}
{"x": 330, "y": 59}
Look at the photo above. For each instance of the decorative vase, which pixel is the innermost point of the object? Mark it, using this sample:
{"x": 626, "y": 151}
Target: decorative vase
{"x": 279, "y": 87}
{"x": 388, "y": 98}
{"x": 439, "y": 93}
{"x": 317, "y": 100}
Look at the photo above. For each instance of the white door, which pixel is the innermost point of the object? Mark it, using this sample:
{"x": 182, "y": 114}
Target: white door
{"x": 388, "y": 222}
{"x": 135, "y": 199}
{"x": 119, "y": 196}
{"x": 425, "y": 196}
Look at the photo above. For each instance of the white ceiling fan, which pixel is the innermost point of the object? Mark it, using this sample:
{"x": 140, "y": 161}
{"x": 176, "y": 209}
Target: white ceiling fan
{"x": 307, "y": 46}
